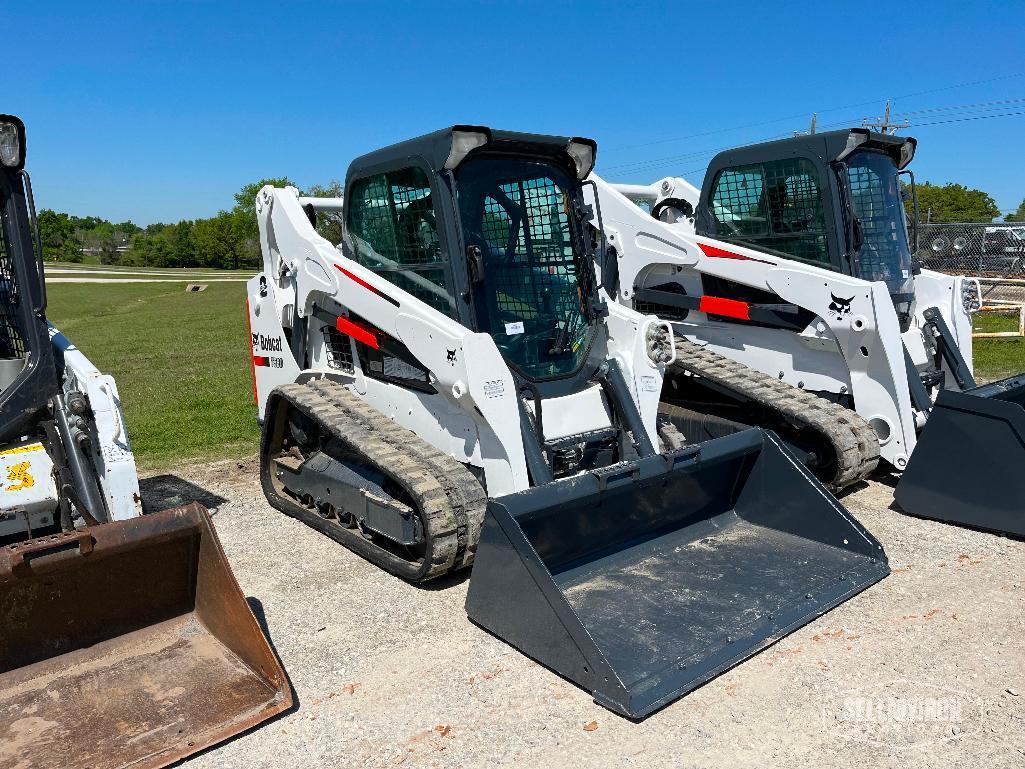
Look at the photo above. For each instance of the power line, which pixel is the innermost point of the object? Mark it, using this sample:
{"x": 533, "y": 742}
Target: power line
{"x": 821, "y": 111}
{"x": 961, "y": 85}
{"x": 957, "y": 114}
{"x": 738, "y": 128}
{"x": 656, "y": 163}
{"x": 884, "y": 123}
{"x": 965, "y": 119}
{"x": 960, "y": 106}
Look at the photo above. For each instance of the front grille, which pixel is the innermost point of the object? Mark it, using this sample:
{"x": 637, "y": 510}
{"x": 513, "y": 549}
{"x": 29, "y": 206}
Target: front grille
{"x": 338, "y": 347}
{"x": 12, "y": 342}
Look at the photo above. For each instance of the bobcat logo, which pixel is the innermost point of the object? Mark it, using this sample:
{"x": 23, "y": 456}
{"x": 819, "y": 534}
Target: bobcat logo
{"x": 840, "y": 306}
{"x": 256, "y": 340}
{"x": 20, "y": 475}
{"x": 450, "y": 356}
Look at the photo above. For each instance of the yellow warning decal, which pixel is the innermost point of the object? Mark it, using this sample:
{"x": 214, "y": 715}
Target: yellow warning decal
{"x": 23, "y": 449}
{"x": 20, "y": 475}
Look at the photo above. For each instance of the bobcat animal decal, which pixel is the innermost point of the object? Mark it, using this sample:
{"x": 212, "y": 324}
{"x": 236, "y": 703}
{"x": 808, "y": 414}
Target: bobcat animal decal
{"x": 840, "y": 306}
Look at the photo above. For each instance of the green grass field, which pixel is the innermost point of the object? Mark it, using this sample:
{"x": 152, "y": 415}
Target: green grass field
{"x": 210, "y": 271}
{"x": 181, "y": 362}
{"x": 998, "y": 358}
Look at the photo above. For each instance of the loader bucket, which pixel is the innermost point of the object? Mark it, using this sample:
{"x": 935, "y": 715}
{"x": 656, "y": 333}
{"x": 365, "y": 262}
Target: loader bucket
{"x": 968, "y": 465}
{"x": 645, "y": 581}
{"x": 128, "y": 644}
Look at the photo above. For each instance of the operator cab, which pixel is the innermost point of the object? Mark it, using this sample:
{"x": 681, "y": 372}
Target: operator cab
{"x": 27, "y": 378}
{"x": 833, "y": 199}
{"x": 490, "y": 228}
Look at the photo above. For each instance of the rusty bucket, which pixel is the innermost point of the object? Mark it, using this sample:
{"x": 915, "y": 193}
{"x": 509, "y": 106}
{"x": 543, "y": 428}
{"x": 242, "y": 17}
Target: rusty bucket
{"x": 128, "y": 644}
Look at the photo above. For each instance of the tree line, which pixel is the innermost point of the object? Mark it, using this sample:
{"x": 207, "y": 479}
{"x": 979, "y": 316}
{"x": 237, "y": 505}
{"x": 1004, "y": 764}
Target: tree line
{"x": 957, "y": 203}
{"x": 230, "y": 240}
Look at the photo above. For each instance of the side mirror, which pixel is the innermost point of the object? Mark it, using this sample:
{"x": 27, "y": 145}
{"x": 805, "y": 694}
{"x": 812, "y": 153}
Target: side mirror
{"x": 609, "y": 264}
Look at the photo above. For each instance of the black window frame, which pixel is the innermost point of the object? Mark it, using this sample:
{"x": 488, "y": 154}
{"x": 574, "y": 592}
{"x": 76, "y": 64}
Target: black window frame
{"x": 837, "y": 237}
{"x": 823, "y": 182}
{"x": 446, "y": 241}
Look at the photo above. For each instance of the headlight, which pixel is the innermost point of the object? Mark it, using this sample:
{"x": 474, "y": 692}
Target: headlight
{"x": 465, "y": 139}
{"x": 971, "y": 295}
{"x": 11, "y": 144}
{"x": 658, "y": 339}
{"x": 582, "y": 151}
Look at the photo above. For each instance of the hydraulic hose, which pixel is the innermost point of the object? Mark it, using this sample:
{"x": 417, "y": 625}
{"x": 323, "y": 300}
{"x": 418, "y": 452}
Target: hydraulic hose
{"x": 84, "y": 481}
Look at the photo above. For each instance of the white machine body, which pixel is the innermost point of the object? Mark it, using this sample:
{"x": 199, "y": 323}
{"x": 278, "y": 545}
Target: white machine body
{"x": 474, "y": 413}
{"x": 853, "y": 347}
{"x": 27, "y": 470}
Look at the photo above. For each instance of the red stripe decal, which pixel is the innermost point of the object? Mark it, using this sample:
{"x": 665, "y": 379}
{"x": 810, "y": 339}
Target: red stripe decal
{"x": 369, "y": 287}
{"x": 730, "y": 308}
{"x": 249, "y": 322}
{"x": 357, "y": 331}
{"x": 723, "y": 254}
{"x": 261, "y": 360}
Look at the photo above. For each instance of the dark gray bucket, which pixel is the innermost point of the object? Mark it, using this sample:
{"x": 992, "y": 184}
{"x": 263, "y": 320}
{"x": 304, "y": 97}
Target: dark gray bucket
{"x": 642, "y": 582}
{"x": 969, "y": 465}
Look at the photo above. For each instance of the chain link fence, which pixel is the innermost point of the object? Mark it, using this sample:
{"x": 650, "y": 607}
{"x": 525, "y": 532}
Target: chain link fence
{"x": 980, "y": 250}
{"x": 993, "y": 253}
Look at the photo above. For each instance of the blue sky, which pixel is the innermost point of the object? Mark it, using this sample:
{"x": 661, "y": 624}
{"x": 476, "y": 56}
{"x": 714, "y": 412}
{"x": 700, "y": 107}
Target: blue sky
{"x": 161, "y": 111}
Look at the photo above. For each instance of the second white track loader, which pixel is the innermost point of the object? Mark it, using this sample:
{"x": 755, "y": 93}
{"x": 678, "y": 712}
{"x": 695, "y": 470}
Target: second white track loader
{"x": 449, "y": 386}
{"x": 790, "y": 283}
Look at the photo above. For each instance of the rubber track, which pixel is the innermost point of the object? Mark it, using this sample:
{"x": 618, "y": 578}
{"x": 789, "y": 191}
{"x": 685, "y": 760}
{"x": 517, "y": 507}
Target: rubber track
{"x": 447, "y": 495}
{"x": 855, "y": 444}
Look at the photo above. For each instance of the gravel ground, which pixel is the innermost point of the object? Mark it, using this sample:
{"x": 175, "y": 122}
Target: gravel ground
{"x": 390, "y": 674}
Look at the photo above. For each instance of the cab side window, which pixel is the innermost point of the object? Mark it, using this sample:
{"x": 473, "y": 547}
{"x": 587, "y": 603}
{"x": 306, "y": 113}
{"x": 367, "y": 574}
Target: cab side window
{"x": 774, "y": 206}
{"x": 394, "y": 232}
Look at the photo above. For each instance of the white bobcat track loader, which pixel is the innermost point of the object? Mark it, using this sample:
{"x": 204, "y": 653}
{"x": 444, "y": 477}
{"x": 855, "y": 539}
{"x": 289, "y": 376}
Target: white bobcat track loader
{"x": 124, "y": 639}
{"x": 794, "y": 261}
{"x": 449, "y": 386}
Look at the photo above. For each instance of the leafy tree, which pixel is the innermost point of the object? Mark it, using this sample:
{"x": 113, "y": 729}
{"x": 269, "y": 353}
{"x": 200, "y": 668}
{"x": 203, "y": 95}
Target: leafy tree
{"x": 1017, "y": 216}
{"x": 219, "y": 242}
{"x": 182, "y": 248}
{"x": 329, "y": 225}
{"x": 229, "y": 240}
{"x": 955, "y": 203}
{"x": 244, "y": 214}
{"x": 58, "y": 237}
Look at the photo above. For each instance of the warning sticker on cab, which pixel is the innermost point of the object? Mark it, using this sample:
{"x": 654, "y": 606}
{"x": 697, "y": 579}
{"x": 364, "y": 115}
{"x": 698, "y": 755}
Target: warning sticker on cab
{"x": 514, "y": 328}
{"x": 494, "y": 388}
{"x": 27, "y": 449}
{"x": 20, "y": 475}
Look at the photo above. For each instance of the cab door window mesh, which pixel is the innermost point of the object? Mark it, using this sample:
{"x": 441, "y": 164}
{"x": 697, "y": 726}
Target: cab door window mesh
{"x": 12, "y": 343}
{"x": 394, "y": 232}
{"x": 774, "y": 206}
{"x": 514, "y": 213}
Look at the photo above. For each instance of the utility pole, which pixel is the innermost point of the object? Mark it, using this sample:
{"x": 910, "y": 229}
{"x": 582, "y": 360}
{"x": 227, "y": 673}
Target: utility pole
{"x": 883, "y": 124}
{"x": 814, "y": 120}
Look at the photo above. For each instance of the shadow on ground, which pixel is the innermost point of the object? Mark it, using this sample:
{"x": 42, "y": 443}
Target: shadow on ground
{"x": 163, "y": 491}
